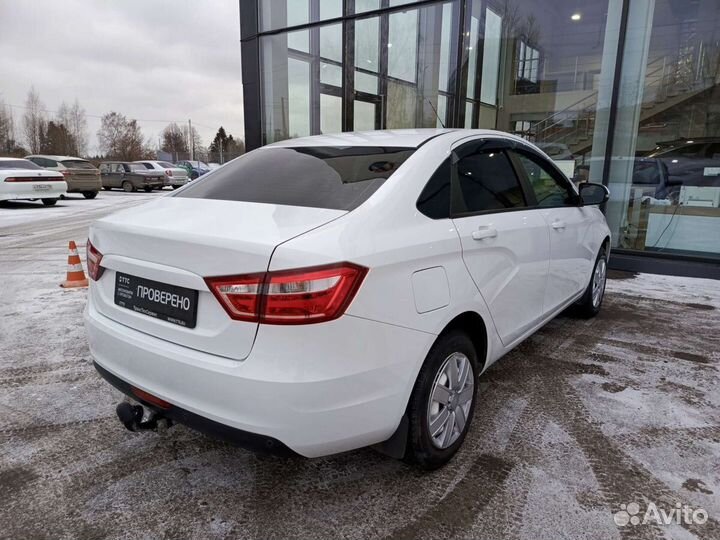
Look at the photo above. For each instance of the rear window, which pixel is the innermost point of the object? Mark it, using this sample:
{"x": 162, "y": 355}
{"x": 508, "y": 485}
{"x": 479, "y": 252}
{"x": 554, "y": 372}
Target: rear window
{"x": 18, "y": 164}
{"x": 138, "y": 167}
{"x": 77, "y": 164}
{"x": 339, "y": 178}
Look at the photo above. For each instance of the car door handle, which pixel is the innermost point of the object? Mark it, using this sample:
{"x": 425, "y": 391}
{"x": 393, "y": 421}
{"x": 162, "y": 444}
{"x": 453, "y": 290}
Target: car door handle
{"x": 558, "y": 224}
{"x": 484, "y": 232}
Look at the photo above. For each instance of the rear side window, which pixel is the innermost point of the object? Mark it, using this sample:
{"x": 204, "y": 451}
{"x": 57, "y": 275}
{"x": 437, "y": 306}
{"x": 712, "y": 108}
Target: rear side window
{"x": 434, "y": 201}
{"x": 339, "y": 178}
{"x": 487, "y": 181}
{"x": 77, "y": 164}
{"x": 18, "y": 164}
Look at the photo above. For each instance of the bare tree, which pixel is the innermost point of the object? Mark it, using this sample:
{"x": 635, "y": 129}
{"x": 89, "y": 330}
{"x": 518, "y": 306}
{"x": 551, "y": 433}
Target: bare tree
{"x": 34, "y": 120}
{"x": 121, "y": 138}
{"x": 193, "y": 140}
{"x": 5, "y": 127}
{"x": 173, "y": 141}
{"x": 73, "y": 118}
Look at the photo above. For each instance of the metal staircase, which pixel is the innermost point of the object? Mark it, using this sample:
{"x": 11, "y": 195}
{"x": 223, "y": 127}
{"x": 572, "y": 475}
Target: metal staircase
{"x": 667, "y": 84}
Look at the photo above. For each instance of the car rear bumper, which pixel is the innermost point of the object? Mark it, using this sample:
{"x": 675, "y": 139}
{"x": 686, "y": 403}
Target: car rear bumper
{"x": 76, "y": 185}
{"x": 24, "y": 190}
{"x": 217, "y": 430}
{"x": 315, "y": 389}
{"x": 176, "y": 181}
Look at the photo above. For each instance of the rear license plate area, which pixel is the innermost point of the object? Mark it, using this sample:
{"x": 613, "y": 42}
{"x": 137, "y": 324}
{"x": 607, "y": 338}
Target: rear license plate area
{"x": 176, "y": 305}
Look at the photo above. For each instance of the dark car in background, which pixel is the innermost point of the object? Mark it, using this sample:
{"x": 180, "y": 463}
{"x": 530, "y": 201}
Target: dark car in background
{"x": 194, "y": 168}
{"x": 682, "y": 163}
{"x": 80, "y": 175}
{"x": 130, "y": 176}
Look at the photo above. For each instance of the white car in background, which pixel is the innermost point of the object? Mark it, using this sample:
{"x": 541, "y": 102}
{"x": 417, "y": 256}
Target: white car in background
{"x": 174, "y": 176}
{"x": 21, "y": 179}
{"x": 328, "y": 293}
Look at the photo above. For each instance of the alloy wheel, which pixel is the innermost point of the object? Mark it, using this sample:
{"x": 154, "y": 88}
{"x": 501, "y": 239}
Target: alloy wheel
{"x": 451, "y": 400}
{"x": 598, "y": 285}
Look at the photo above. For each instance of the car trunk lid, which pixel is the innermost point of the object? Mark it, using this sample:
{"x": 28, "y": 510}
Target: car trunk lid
{"x": 179, "y": 242}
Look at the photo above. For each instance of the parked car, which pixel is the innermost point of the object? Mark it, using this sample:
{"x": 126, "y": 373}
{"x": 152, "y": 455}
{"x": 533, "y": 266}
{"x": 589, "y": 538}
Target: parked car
{"x": 21, "y": 179}
{"x": 81, "y": 175}
{"x": 334, "y": 292}
{"x": 130, "y": 176}
{"x": 674, "y": 164}
{"x": 195, "y": 169}
{"x": 174, "y": 176}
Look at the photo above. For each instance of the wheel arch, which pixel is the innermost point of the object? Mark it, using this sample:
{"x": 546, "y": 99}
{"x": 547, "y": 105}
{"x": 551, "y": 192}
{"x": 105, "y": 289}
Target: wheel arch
{"x": 472, "y": 324}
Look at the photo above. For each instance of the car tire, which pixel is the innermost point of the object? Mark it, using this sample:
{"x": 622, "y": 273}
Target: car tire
{"x": 194, "y": 176}
{"x": 128, "y": 186}
{"x": 148, "y": 189}
{"x": 591, "y": 302}
{"x": 90, "y": 194}
{"x": 106, "y": 188}
{"x": 49, "y": 202}
{"x": 176, "y": 187}
{"x": 436, "y": 429}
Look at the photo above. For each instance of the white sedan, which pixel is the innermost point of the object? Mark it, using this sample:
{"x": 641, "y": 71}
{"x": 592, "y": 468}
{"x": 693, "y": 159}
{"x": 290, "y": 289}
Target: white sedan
{"x": 174, "y": 176}
{"x": 21, "y": 179}
{"x": 332, "y": 292}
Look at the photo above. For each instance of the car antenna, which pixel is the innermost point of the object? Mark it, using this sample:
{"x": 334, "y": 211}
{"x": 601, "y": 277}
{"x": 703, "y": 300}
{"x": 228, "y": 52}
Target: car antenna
{"x": 436, "y": 114}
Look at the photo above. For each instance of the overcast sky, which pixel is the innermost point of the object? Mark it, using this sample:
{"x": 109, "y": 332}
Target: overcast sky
{"x": 166, "y": 60}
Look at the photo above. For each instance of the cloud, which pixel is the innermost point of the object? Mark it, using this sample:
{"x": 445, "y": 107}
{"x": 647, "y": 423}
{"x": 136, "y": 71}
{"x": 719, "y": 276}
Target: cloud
{"x": 153, "y": 60}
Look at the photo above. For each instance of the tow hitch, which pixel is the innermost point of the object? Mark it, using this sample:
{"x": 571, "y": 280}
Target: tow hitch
{"x": 132, "y": 417}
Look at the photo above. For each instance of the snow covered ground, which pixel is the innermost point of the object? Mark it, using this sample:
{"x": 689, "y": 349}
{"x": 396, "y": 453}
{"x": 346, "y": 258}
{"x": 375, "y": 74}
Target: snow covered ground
{"x": 582, "y": 418}
{"x": 651, "y": 286}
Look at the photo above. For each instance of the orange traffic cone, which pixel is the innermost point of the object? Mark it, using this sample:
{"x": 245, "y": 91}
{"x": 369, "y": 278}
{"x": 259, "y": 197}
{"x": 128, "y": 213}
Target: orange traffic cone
{"x": 75, "y": 273}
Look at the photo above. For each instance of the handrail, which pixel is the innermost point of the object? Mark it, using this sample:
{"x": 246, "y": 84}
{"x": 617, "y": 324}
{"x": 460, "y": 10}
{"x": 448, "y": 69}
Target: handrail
{"x": 593, "y": 94}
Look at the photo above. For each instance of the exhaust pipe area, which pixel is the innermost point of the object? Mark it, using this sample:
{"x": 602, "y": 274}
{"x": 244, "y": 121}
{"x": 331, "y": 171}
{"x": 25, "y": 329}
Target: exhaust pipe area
{"x": 131, "y": 417}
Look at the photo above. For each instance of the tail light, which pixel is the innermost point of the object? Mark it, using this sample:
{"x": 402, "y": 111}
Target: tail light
{"x": 168, "y": 172}
{"x": 66, "y": 173}
{"x": 239, "y": 295}
{"x": 302, "y": 296}
{"x": 35, "y": 179}
{"x": 94, "y": 258}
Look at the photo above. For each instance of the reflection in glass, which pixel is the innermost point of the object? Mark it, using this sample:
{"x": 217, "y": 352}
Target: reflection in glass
{"x": 299, "y": 97}
{"x": 402, "y": 45}
{"x": 364, "y": 114}
{"x": 330, "y": 114}
{"x": 367, "y": 39}
{"x": 665, "y": 167}
{"x": 491, "y": 57}
{"x": 276, "y": 14}
{"x": 330, "y": 74}
{"x": 331, "y": 42}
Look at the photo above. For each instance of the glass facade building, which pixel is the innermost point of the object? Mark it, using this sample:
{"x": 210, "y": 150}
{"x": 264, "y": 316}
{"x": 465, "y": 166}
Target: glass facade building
{"x": 623, "y": 92}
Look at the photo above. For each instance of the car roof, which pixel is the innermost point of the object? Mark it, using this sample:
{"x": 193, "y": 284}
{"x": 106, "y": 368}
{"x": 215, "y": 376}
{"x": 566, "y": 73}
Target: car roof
{"x": 12, "y": 159}
{"x": 408, "y": 138}
{"x": 56, "y": 158}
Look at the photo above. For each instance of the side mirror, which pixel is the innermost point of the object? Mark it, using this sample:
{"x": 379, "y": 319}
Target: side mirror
{"x": 592, "y": 194}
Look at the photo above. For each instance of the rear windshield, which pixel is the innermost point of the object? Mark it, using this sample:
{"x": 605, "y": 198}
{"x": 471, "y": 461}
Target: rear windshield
{"x": 340, "y": 178}
{"x": 77, "y": 164}
{"x": 18, "y": 164}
